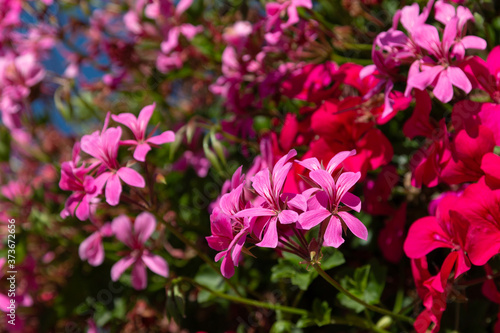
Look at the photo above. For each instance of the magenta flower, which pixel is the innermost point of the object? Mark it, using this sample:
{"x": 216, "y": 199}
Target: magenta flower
{"x": 448, "y": 229}
{"x": 104, "y": 147}
{"x": 91, "y": 249}
{"x": 325, "y": 205}
{"x": 312, "y": 163}
{"x": 139, "y": 257}
{"x": 440, "y": 71}
{"x": 229, "y": 232}
{"x": 228, "y": 237}
{"x": 138, "y": 126}
{"x": 274, "y": 207}
{"x": 76, "y": 179}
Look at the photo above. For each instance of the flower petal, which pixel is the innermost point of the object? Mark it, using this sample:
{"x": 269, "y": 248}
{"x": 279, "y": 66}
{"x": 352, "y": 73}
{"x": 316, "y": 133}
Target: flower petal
{"x": 144, "y": 117}
{"x": 270, "y": 238}
{"x": 165, "y": 137}
{"x": 288, "y": 216}
{"x": 355, "y": 225}
{"x": 121, "y": 266}
{"x": 424, "y": 236}
{"x": 113, "y": 190}
{"x": 333, "y": 233}
{"x": 443, "y": 89}
{"x": 310, "y": 163}
{"x": 139, "y": 276}
{"x": 131, "y": 177}
{"x": 122, "y": 228}
{"x": 156, "y": 264}
{"x": 312, "y": 218}
{"x": 352, "y": 201}
{"x": 338, "y": 159}
{"x": 141, "y": 151}
{"x": 459, "y": 79}
{"x": 255, "y": 211}
{"x": 144, "y": 225}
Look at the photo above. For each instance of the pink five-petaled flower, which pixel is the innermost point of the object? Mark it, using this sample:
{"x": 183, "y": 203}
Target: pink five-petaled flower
{"x": 223, "y": 239}
{"x": 138, "y": 126}
{"x": 441, "y": 72}
{"x": 75, "y": 178}
{"x": 325, "y": 204}
{"x": 312, "y": 163}
{"x": 448, "y": 229}
{"x": 104, "y": 147}
{"x": 140, "y": 257}
{"x": 274, "y": 207}
{"x": 91, "y": 249}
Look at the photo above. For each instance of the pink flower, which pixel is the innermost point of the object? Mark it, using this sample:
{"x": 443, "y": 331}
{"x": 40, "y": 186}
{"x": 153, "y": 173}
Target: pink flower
{"x": 104, "y": 147}
{"x": 76, "y": 179}
{"x": 419, "y": 122}
{"x": 312, "y": 163}
{"x": 467, "y": 153}
{"x": 139, "y": 257}
{"x": 91, "y": 249}
{"x": 481, "y": 207}
{"x": 433, "y": 300}
{"x": 440, "y": 71}
{"x": 490, "y": 166}
{"x": 447, "y": 229}
{"x": 269, "y": 186}
{"x": 228, "y": 237}
{"x": 16, "y": 191}
{"x": 138, "y": 126}
{"x": 325, "y": 204}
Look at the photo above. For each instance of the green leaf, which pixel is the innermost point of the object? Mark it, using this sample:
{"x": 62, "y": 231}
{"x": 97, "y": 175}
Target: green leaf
{"x": 367, "y": 284}
{"x": 211, "y": 279}
{"x": 281, "y": 326}
{"x": 331, "y": 258}
{"x": 288, "y": 267}
{"x": 320, "y": 315}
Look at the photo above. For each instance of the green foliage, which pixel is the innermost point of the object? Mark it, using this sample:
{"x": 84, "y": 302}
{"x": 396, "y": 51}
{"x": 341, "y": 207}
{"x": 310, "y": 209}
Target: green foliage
{"x": 319, "y": 316}
{"x": 366, "y": 283}
{"x": 288, "y": 267}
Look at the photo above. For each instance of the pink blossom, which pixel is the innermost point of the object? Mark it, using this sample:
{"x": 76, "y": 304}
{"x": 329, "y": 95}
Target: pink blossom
{"x": 74, "y": 177}
{"x": 325, "y": 205}
{"x": 467, "y": 153}
{"x": 139, "y": 257}
{"x": 447, "y": 229}
{"x": 16, "y": 191}
{"x": 274, "y": 210}
{"x": 104, "y": 147}
{"x": 138, "y": 126}
{"x": 91, "y": 249}
{"x": 312, "y": 163}
{"x": 228, "y": 237}
{"x": 441, "y": 71}
{"x": 480, "y": 205}
{"x": 325, "y": 198}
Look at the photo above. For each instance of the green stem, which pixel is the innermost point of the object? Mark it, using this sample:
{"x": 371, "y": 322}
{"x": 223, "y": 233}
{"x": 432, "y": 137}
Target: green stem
{"x": 358, "y": 47}
{"x": 374, "y": 308}
{"x": 353, "y": 321}
{"x": 248, "y": 301}
{"x": 342, "y": 60}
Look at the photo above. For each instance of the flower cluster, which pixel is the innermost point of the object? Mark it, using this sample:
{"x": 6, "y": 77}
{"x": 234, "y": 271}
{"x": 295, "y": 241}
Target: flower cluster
{"x": 435, "y": 61}
{"x": 103, "y": 174}
{"x": 348, "y": 106}
{"x": 271, "y": 216}
{"x": 87, "y": 179}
